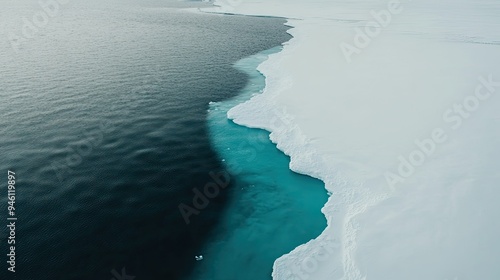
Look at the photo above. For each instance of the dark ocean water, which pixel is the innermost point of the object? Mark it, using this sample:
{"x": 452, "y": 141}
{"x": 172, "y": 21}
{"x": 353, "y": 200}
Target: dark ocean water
{"x": 103, "y": 119}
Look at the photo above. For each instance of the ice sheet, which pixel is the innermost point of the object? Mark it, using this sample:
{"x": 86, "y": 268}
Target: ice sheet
{"x": 403, "y": 127}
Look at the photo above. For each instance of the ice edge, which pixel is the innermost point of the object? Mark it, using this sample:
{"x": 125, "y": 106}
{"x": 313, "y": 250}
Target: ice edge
{"x": 290, "y": 140}
{"x": 263, "y": 112}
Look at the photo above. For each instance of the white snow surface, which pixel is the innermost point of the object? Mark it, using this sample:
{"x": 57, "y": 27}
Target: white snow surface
{"x": 349, "y": 124}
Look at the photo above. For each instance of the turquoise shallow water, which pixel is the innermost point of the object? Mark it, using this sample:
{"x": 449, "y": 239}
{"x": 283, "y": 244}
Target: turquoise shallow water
{"x": 272, "y": 210}
{"x": 103, "y": 118}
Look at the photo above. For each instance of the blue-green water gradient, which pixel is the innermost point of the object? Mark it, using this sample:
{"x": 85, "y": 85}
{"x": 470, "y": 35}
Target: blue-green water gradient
{"x": 272, "y": 210}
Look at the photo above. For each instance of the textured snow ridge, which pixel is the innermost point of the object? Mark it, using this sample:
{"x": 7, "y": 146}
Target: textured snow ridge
{"x": 262, "y": 111}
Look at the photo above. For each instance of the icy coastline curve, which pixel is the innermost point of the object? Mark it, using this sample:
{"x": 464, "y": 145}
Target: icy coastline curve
{"x": 263, "y": 112}
{"x": 401, "y": 129}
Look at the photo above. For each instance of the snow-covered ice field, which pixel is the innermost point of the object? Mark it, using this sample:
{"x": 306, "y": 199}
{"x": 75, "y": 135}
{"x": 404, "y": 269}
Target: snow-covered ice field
{"x": 395, "y": 105}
